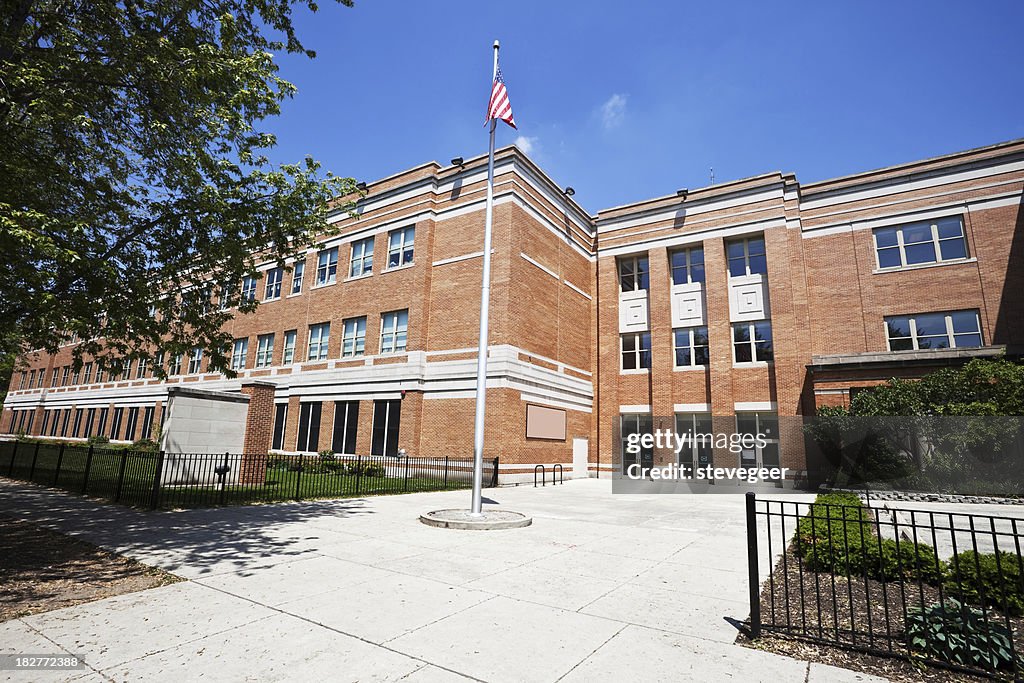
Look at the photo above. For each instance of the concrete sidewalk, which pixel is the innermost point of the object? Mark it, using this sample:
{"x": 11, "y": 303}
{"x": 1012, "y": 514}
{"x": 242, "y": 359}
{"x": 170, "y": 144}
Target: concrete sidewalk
{"x": 601, "y": 587}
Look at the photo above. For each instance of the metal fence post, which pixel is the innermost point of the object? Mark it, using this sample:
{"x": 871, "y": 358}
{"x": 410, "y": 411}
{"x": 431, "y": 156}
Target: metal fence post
{"x": 298, "y": 479}
{"x": 359, "y": 471}
{"x": 88, "y": 466}
{"x": 120, "y": 476}
{"x": 446, "y": 471}
{"x": 35, "y": 456}
{"x": 154, "y": 500}
{"x": 14, "y": 454}
{"x": 755, "y": 584}
{"x": 494, "y": 474}
{"x": 224, "y": 479}
{"x": 405, "y": 484}
{"x": 60, "y": 460}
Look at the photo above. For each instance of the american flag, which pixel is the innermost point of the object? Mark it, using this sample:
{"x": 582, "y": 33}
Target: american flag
{"x": 499, "y": 107}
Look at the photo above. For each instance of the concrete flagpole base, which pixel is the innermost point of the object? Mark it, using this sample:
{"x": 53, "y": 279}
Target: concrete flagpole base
{"x": 487, "y": 520}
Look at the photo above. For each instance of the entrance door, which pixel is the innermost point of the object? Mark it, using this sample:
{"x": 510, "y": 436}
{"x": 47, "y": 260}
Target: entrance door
{"x": 580, "y": 453}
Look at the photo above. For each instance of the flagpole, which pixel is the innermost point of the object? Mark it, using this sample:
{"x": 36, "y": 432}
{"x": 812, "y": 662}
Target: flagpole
{"x": 485, "y": 305}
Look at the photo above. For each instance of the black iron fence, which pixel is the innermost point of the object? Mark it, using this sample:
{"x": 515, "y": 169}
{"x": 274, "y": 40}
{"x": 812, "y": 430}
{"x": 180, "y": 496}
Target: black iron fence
{"x": 180, "y": 480}
{"x": 944, "y": 587}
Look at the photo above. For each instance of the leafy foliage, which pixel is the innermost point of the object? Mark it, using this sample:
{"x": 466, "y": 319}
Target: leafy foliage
{"x": 134, "y": 173}
{"x": 961, "y": 635}
{"x": 989, "y": 579}
{"x": 839, "y": 536}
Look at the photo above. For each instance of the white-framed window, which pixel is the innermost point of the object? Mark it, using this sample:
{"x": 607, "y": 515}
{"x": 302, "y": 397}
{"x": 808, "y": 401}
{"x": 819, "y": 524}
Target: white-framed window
{"x": 752, "y": 342}
{"x": 687, "y": 265}
{"x": 932, "y": 241}
{"x": 239, "y": 353}
{"x": 400, "y": 246}
{"x": 634, "y": 273}
{"x": 248, "y": 288}
{"x": 763, "y": 426}
{"x": 298, "y": 270}
{"x": 265, "y": 350}
{"x": 394, "y": 328}
{"x": 39, "y": 379}
{"x": 175, "y": 368}
{"x": 127, "y": 370}
{"x": 288, "y": 352}
{"x": 636, "y": 350}
{"x": 319, "y": 336}
{"x": 66, "y": 378}
{"x": 353, "y": 337}
{"x": 53, "y": 379}
{"x": 361, "y": 262}
{"x": 24, "y": 378}
{"x": 691, "y": 346}
{"x": 947, "y": 330}
{"x": 158, "y": 362}
{"x": 99, "y": 375}
{"x": 140, "y": 373}
{"x": 195, "y": 360}
{"x": 746, "y": 256}
{"x": 224, "y": 298}
{"x": 272, "y": 289}
{"x": 87, "y": 379}
{"x": 327, "y": 266}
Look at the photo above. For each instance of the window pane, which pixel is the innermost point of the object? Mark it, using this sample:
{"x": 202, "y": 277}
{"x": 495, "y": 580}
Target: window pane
{"x": 920, "y": 253}
{"x": 682, "y": 357}
{"x": 755, "y": 246}
{"x": 734, "y": 250}
{"x": 933, "y": 342}
{"x": 737, "y": 267}
{"x": 954, "y": 248}
{"x": 700, "y": 355}
{"x": 889, "y": 258}
{"x": 964, "y": 322}
{"x": 886, "y": 237}
{"x": 746, "y": 423}
{"x": 696, "y": 272}
{"x": 917, "y": 233}
{"x": 965, "y": 340}
{"x": 758, "y": 264}
{"x": 629, "y": 343}
{"x": 740, "y": 333}
{"x": 763, "y": 331}
{"x": 950, "y": 227}
{"x": 901, "y": 344}
{"x": 628, "y": 360}
{"x": 930, "y": 324}
{"x": 898, "y": 327}
{"x": 743, "y": 352}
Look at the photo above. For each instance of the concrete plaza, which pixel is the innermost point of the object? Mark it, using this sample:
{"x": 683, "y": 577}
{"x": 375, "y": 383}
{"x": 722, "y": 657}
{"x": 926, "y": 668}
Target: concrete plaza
{"x": 600, "y": 587}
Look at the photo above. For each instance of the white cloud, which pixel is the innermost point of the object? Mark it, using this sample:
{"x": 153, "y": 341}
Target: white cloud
{"x": 613, "y": 111}
{"x": 526, "y": 144}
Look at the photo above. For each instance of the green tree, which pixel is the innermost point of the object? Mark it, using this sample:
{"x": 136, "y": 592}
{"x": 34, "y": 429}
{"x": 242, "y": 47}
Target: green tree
{"x": 132, "y": 168}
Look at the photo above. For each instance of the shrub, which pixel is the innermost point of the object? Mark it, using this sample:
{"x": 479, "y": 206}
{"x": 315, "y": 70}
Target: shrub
{"x": 98, "y": 440}
{"x": 144, "y": 445}
{"x": 365, "y": 469}
{"x": 327, "y": 455}
{"x": 959, "y": 634}
{"x": 984, "y": 578}
{"x": 277, "y": 464}
{"x": 838, "y": 535}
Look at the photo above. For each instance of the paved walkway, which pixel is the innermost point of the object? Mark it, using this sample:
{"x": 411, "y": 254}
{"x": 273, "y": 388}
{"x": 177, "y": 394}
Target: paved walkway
{"x": 600, "y": 588}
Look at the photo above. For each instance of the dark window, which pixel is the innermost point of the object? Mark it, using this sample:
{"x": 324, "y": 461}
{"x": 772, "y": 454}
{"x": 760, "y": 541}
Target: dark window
{"x": 346, "y": 424}
{"x": 64, "y": 424}
{"x": 76, "y": 431}
{"x": 147, "y": 422}
{"x": 101, "y": 428}
{"x": 309, "y": 426}
{"x": 115, "y": 426}
{"x": 90, "y": 418}
{"x": 46, "y": 421}
{"x": 280, "y": 415}
{"x": 386, "y": 419}
{"x": 131, "y": 424}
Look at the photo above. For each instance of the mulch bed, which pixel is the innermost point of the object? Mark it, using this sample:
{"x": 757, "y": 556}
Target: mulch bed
{"x": 42, "y": 570}
{"x": 867, "y": 613}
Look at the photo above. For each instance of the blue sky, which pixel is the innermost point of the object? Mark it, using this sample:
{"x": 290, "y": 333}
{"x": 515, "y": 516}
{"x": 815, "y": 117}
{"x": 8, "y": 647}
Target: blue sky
{"x": 630, "y": 100}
